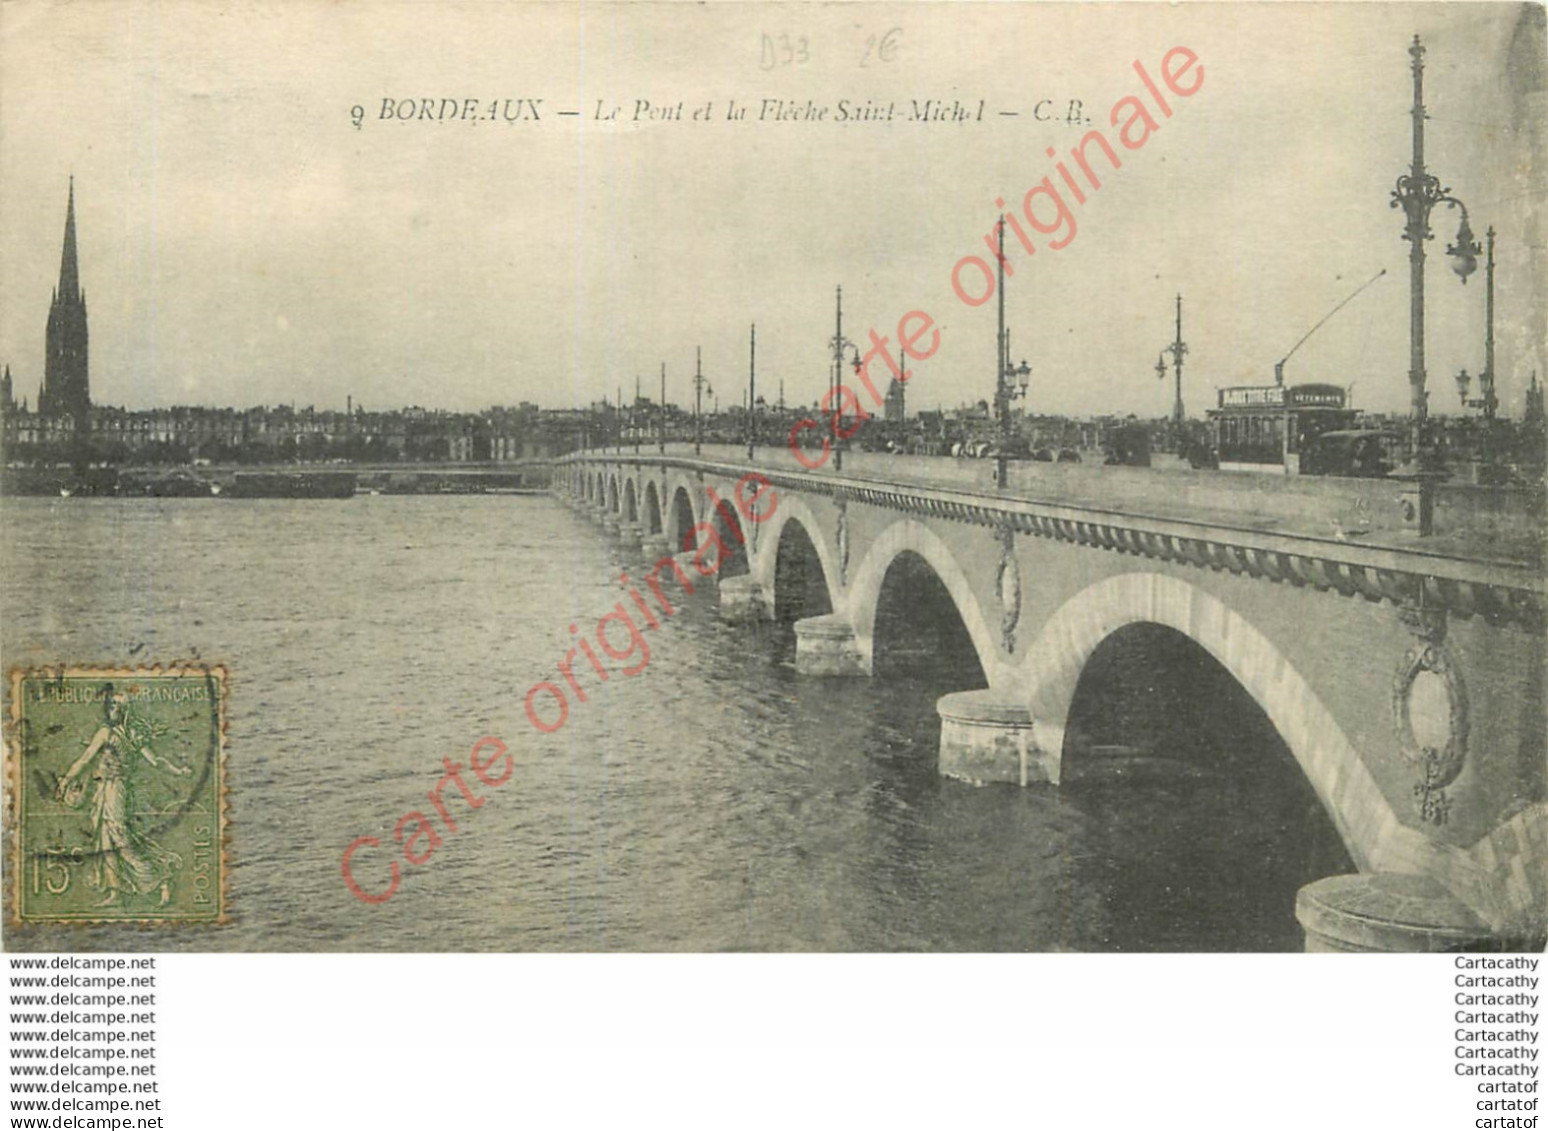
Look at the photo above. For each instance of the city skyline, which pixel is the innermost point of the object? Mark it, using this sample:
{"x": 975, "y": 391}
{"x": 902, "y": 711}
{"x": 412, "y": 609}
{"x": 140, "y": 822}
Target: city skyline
{"x": 244, "y": 243}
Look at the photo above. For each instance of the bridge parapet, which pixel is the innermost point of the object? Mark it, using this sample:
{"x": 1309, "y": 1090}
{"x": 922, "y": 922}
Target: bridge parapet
{"x": 1417, "y": 575}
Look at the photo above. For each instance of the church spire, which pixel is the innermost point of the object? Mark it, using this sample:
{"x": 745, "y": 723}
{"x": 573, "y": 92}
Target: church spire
{"x": 69, "y": 269}
{"x": 66, "y": 388}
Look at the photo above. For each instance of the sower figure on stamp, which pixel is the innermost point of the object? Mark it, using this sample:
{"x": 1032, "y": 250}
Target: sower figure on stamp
{"x": 127, "y": 861}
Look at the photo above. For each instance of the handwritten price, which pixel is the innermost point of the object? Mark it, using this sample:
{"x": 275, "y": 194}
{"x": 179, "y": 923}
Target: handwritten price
{"x": 883, "y": 49}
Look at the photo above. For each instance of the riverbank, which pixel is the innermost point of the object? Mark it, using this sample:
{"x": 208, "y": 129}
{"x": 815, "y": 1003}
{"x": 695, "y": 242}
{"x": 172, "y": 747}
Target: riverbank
{"x": 299, "y": 481}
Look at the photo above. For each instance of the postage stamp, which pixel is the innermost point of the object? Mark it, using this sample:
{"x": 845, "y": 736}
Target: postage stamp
{"x": 117, "y": 794}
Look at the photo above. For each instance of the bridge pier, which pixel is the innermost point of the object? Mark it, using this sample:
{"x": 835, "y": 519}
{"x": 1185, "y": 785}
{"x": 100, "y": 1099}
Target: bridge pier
{"x": 609, "y": 522}
{"x": 653, "y": 545}
{"x": 826, "y": 645}
{"x": 629, "y": 533}
{"x": 1389, "y": 913}
{"x": 987, "y": 736}
{"x": 742, "y": 600}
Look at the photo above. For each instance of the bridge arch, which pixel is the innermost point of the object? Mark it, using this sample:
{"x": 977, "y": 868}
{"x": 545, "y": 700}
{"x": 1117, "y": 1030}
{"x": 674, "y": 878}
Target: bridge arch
{"x": 792, "y": 509}
{"x": 600, "y": 497}
{"x": 612, "y": 494}
{"x": 801, "y": 586}
{"x": 1376, "y": 840}
{"x": 681, "y": 519}
{"x": 652, "y": 509}
{"x": 865, "y": 591}
{"x": 733, "y": 536}
{"x": 631, "y": 510}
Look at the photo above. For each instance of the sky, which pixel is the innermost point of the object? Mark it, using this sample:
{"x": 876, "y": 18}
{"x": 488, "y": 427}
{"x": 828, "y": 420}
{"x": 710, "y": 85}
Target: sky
{"x": 243, "y": 241}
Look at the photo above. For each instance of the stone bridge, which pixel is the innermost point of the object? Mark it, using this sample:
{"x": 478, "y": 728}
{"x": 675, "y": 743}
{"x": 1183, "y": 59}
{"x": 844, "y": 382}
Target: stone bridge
{"x": 1405, "y": 675}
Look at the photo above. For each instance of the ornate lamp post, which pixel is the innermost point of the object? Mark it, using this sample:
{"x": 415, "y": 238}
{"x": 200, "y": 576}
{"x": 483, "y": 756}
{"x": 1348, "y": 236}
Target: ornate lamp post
{"x": 752, "y": 390}
{"x": 1418, "y": 192}
{"x": 700, "y": 384}
{"x": 1010, "y": 380}
{"x": 1486, "y": 400}
{"x": 1178, "y": 349}
{"x": 835, "y": 402}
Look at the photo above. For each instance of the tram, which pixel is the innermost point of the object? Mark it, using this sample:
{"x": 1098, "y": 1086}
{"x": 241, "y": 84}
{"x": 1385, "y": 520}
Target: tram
{"x": 1278, "y": 429}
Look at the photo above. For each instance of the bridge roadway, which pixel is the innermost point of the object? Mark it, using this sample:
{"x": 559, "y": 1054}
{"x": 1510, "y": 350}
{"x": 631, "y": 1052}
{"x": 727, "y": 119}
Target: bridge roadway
{"x": 1405, "y": 674}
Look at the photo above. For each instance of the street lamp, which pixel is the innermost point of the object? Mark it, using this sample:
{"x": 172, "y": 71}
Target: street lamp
{"x": 752, "y": 390}
{"x": 1417, "y": 193}
{"x": 1465, "y": 251}
{"x": 1011, "y": 380}
{"x": 1017, "y": 377}
{"x": 1486, "y": 399}
{"x": 700, "y": 384}
{"x": 841, "y": 442}
{"x": 835, "y": 401}
{"x": 1179, "y": 350}
{"x": 1013, "y": 387}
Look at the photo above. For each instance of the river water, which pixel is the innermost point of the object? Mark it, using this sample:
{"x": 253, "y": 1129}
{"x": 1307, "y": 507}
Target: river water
{"x": 715, "y": 801}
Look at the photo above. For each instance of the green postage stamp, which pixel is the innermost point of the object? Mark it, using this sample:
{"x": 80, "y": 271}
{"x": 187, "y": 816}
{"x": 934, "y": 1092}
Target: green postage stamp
{"x": 117, "y": 794}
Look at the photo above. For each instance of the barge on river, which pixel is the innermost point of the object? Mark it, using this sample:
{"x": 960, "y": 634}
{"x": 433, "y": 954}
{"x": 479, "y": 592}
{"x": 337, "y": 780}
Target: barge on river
{"x": 290, "y": 485}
